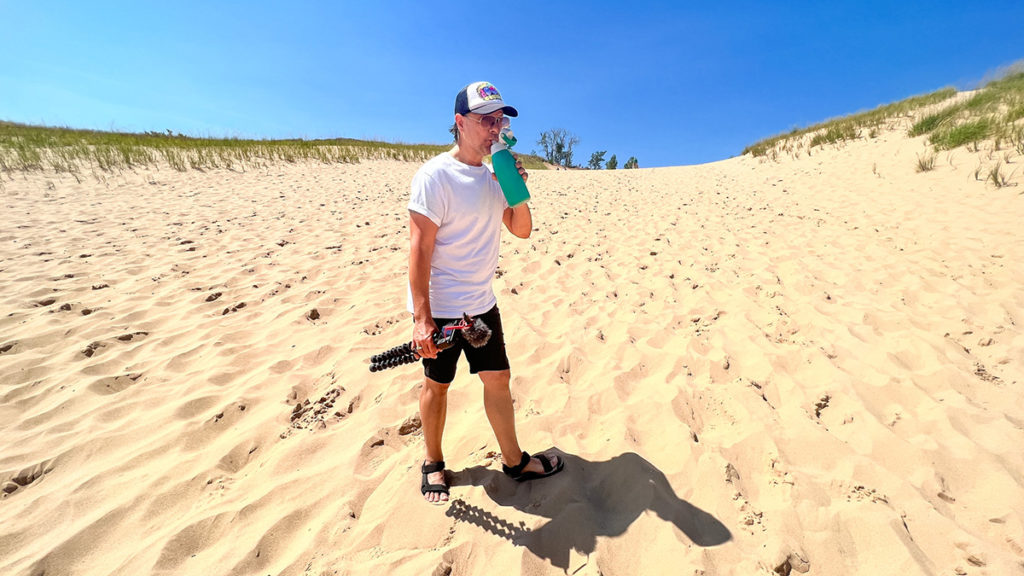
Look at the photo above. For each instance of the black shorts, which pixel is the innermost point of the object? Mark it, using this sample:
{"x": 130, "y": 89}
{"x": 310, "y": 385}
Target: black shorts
{"x": 490, "y": 356}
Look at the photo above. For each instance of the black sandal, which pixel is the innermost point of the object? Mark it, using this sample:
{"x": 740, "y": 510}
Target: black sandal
{"x": 517, "y": 472}
{"x": 426, "y": 487}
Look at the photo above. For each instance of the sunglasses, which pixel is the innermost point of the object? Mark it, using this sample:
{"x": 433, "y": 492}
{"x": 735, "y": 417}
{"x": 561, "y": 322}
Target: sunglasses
{"x": 491, "y": 122}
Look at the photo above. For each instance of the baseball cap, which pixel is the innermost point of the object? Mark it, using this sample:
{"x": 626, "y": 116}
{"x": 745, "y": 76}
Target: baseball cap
{"x": 482, "y": 98}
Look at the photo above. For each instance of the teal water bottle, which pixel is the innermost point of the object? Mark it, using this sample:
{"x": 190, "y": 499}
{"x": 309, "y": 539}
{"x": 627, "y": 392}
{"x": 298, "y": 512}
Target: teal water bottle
{"x": 512, "y": 185}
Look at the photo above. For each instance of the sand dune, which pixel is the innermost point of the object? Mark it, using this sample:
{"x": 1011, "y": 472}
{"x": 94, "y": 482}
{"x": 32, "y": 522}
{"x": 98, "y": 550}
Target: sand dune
{"x": 812, "y": 365}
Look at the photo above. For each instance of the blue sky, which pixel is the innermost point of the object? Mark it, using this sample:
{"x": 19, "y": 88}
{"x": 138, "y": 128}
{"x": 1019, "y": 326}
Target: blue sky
{"x": 668, "y": 82}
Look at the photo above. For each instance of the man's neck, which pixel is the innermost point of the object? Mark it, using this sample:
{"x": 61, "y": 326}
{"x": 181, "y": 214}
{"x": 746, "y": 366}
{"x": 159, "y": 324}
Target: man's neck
{"x": 466, "y": 156}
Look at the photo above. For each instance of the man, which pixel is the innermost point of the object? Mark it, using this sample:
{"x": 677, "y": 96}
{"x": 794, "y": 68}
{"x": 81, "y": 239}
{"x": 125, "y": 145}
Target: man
{"x": 456, "y": 212}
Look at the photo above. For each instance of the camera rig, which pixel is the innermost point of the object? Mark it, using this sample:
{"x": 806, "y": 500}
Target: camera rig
{"x": 473, "y": 330}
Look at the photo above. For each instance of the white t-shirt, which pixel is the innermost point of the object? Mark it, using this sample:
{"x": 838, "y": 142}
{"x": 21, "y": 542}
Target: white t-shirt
{"x": 467, "y": 205}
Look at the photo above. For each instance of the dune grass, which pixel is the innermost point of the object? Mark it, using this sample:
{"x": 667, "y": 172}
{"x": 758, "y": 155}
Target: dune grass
{"x": 926, "y": 163}
{"x": 990, "y": 115}
{"x": 956, "y": 135}
{"x": 28, "y": 148}
{"x": 849, "y": 127}
{"x": 931, "y": 122}
{"x": 996, "y": 176}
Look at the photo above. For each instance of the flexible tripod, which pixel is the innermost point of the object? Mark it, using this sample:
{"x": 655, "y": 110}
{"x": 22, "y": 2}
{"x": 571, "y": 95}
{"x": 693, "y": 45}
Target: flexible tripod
{"x": 473, "y": 330}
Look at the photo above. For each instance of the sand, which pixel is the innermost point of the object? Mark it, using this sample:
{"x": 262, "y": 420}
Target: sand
{"x": 810, "y": 365}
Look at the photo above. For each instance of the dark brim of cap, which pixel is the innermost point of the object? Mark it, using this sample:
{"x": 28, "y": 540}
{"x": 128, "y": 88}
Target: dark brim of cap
{"x": 494, "y": 107}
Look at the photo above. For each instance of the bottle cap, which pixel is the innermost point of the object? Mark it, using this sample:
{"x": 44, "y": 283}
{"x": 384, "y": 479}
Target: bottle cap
{"x": 508, "y": 137}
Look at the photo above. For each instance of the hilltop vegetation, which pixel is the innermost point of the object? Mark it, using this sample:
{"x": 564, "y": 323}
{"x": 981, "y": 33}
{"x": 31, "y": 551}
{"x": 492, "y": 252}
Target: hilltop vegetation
{"x": 991, "y": 114}
{"x": 845, "y": 128}
{"x": 25, "y": 148}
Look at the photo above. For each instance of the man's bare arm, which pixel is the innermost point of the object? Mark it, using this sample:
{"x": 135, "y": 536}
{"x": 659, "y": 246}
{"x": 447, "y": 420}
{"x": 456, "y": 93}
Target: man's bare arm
{"x": 423, "y": 234}
{"x": 518, "y": 220}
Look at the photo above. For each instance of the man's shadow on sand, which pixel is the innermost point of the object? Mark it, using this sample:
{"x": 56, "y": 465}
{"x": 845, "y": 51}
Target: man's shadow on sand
{"x": 584, "y": 501}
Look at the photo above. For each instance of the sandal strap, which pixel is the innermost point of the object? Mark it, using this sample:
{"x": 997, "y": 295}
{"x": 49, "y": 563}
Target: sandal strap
{"x": 432, "y": 467}
{"x": 439, "y": 488}
{"x": 545, "y": 461}
{"x": 517, "y": 470}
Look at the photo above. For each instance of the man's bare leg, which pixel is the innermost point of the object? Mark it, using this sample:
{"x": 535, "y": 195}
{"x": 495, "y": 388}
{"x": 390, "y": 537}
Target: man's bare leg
{"x": 433, "y": 411}
{"x": 501, "y": 414}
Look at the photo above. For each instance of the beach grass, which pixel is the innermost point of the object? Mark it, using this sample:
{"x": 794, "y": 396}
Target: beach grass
{"x": 926, "y": 163}
{"x": 849, "y": 127}
{"x": 967, "y": 132}
{"x": 27, "y": 148}
{"x": 990, "y": 114}
{"x": 997, "y": 177}
{"x": 931, "y": 122}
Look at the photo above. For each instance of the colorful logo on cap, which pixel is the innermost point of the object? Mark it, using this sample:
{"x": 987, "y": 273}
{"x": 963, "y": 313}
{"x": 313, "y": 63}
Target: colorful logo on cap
{"x": 487, "y": 91}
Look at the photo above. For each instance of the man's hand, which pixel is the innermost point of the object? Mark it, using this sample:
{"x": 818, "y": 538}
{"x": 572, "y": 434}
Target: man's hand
{"x": 422, "y": 338}
{"x": 519, "y": 166}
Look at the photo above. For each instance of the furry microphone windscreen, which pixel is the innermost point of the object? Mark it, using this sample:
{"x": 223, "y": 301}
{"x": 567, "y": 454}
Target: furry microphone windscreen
{"x": 477, "y": 334}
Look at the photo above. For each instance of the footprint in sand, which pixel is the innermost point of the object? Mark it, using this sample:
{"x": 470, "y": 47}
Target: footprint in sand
{"x": 234, "y": 308}
{"x": 25, "y": 477}
{"x": 114, "y": 384}
{"x": 981, "y": 372}
{"x": 217, "y": 487}
{"x": 91, "y": 349}
{"x": 794, "y": 562}
{"x": 386, "y": 442}
{"x": 861, "y": 493}
{"x": 238, "y": 457}
{"x": 821, "y": 405}
{"x": 227, "y": 416}
{"x": 220, "y": 415}
{"x": 308, "y": 415}
{"x": 378, "y": 328}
